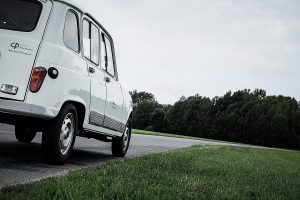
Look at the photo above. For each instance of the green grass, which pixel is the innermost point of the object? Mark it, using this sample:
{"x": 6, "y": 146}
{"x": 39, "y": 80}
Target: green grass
{"x": 192, "y": 173}
{"x": 143, "y": 132}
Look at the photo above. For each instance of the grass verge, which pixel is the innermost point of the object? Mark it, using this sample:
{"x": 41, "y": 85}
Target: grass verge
{"x": 192, "y": 173}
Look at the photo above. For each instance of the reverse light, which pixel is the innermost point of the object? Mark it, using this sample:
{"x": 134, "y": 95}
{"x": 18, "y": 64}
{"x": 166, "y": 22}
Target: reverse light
{"x": 9, "y": 89}
{"x": 37, "y": 78}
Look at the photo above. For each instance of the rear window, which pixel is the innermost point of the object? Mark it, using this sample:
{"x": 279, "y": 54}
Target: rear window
{"x": 19, "y": 15}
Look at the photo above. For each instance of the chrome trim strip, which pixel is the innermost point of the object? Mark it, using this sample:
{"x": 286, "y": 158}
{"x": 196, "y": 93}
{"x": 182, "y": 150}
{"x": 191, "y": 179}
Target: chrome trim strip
{"x": 100, "y": 120}
{"x": 97, "y": 132}
{"x": 113, "y": 124}
{"x": 96, "y": 119}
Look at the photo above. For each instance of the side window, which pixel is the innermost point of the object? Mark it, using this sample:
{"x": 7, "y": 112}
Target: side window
{"x": 103, "y": 53}
{"x": 95, "y": 44}
{"x": 91, "y": 41}
{"x": 86, "y": 39}
{"x": 110, "y": 68}
{"x": 71, "y": 33}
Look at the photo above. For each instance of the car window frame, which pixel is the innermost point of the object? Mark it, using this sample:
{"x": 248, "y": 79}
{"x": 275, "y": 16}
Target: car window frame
{"x": 99, "y": 39}
{"x": 89, "y": 17}
{"x": 103, "y": 36}
{"x": 99, "y": 31}
{"x": 78, "y": 31}
{"x": 83, "y": 47}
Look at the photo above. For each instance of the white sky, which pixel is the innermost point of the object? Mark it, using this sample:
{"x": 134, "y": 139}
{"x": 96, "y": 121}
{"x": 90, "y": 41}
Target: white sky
{"x": 173, "y": 48}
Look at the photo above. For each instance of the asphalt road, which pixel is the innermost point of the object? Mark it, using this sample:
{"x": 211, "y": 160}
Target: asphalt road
{"x": 21, "y": 163}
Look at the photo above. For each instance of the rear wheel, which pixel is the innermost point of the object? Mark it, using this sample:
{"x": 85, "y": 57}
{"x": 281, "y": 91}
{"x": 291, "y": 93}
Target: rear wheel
{"x": 58, "y": 140}
{"x": 120, "y": 145}
{"x": 24, "y": 135}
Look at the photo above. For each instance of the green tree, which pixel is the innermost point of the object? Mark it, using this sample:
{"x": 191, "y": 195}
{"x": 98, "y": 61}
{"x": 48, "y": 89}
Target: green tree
{"x": 139, "y": 97}
{"x": 143, "y": 114}
{"x": 157, "y": 119}
{"x": 242, "y": 116}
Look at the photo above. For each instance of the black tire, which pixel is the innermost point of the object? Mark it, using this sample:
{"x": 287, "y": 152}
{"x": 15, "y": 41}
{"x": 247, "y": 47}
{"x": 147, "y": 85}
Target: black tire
{"x": 120, "y": 145}
{"x": 24, "y": 135}
{"x": 53, "y": 146}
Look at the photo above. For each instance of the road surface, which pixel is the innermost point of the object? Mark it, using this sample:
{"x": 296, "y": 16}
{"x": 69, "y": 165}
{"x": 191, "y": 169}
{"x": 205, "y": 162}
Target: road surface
{"x": 21, "y": 163}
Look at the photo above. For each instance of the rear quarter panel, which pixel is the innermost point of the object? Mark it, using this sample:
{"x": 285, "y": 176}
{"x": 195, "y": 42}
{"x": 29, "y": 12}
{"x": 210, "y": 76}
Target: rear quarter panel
{"x": 73, "y": 83}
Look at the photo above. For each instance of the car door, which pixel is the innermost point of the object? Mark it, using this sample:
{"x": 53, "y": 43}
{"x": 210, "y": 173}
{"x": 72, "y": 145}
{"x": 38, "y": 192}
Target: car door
{"x": 91, "y": 45}
{"x": 114, "y": 98}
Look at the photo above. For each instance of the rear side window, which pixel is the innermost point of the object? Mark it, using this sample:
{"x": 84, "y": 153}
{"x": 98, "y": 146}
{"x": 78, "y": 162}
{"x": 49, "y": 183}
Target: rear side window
{"x": 19, "y": 15}
{"x": 109, "y": 59}
{"x": 71, "y": 31}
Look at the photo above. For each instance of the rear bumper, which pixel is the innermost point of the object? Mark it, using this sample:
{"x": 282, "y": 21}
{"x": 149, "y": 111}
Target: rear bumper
{"x": 25, "y": 109}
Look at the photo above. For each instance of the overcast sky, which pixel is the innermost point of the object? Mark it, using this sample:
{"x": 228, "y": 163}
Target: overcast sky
{"x": 173, "y": 48}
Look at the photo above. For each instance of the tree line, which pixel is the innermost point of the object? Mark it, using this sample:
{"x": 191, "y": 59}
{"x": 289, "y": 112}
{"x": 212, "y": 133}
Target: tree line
{"x": 244, "y": 116}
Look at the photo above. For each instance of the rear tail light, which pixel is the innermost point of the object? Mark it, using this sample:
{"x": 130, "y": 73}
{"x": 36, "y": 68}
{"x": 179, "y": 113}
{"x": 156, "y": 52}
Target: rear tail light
{"x": 37, "y": 78}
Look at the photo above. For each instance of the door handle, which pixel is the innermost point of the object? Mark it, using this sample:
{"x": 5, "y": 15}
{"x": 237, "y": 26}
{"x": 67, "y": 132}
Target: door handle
{"x": 91, "y": 70}
{"x": 114, "y": 106}
{"x": 107, "y": 80}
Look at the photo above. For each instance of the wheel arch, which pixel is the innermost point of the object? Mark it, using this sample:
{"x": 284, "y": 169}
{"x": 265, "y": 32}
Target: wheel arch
{"x": 81, "y": 111}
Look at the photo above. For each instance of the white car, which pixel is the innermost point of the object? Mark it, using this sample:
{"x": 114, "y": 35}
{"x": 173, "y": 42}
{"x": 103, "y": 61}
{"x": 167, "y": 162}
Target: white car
{"x": 58, "y": 75}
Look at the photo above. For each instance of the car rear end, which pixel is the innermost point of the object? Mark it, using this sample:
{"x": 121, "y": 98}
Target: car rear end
{"x": 22, "y": 27}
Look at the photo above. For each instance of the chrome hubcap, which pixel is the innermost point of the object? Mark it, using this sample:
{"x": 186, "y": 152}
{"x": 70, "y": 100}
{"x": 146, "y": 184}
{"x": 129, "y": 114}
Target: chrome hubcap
{"x": 126, "y": 138}
{"x": 66, "y": 134}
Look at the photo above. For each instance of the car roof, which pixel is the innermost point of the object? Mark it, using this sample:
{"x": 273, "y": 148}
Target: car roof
{"x": 72, "y": 3}
{"x": 81, "y": 9}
